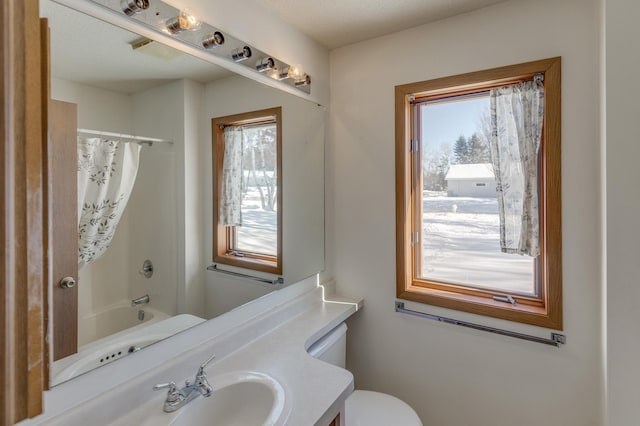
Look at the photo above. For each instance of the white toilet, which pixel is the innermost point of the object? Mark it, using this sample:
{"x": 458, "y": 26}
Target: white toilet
{"x": 362, "y": 408}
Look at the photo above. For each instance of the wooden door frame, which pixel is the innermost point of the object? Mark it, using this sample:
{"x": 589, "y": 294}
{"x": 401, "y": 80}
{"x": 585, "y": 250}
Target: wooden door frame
{"x": 24, "y": 218}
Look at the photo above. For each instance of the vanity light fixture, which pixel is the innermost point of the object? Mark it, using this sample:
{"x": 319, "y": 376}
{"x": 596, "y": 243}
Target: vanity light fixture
{"x": 265, "y": 64}
{"x": 131, "y": 7}
{"x": 182, "y": 22}
{"x": 185, "y": 28}
{"x": 213, "y": 40}
{"x": 239, "y": 55}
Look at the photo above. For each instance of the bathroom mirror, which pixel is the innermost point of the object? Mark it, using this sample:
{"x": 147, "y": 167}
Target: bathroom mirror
{"x": 123, "y": 84}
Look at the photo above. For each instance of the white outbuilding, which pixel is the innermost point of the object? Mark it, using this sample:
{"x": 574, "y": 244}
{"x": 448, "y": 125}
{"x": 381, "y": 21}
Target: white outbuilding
{"x": 471, "y": 180}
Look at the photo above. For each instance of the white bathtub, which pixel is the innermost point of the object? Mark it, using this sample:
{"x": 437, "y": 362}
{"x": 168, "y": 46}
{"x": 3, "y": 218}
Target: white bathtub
{"x": 108, "y": 349}
{"x": 114, "y": 319}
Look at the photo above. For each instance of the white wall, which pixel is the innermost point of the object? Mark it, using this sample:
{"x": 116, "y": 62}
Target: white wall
{"x": 193, "y": 179}
{"x": 153, "y": 207}
{"x": 451, "y": 375}
{"x": 98, "y": 109}
{"x": 623, "y": 211}
{"x": 169, "y": 227}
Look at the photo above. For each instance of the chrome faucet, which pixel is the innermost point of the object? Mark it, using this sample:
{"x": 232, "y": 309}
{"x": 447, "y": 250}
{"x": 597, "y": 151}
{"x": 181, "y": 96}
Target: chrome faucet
{"x": 140, "y": 301}
{"x": 176, "y": 398}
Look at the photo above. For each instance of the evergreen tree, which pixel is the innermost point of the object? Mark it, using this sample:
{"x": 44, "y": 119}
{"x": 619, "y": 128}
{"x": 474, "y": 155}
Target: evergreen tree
{"x": 461, "y": 150}
{"x": 472, "y": 150}
{"x": 478, "y": 150}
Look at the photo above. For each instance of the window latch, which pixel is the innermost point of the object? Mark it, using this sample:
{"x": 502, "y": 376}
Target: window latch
{"x": 505, "y": 299}
{"x": 415, "y": 238}
{"x": 415, "y": 147}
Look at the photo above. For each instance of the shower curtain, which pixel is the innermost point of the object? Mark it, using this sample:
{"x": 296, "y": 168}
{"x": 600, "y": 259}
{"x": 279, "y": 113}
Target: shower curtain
{"x": 107, "y": 171}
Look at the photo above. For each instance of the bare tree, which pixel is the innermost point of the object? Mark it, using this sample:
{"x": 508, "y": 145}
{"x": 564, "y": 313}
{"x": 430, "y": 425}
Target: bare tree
{"x": 261, "y": 164}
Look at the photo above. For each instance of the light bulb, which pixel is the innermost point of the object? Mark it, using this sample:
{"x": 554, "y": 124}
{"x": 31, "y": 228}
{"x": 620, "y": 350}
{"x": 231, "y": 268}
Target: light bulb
{"x": 183, "y": 22}
{"x": 296, "y": 72}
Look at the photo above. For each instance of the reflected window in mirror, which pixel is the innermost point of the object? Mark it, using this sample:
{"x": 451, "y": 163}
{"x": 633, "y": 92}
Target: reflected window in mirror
{"x": 247, "y": 155}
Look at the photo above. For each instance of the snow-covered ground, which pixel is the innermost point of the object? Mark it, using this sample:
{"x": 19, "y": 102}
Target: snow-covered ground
{"x": 461, "y": 244}
{"x": 458, "y": 247}
{"x": 259, "y": 230}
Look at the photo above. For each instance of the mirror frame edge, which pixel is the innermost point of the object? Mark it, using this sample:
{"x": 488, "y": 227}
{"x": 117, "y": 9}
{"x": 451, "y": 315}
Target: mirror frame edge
{"x": 24, "y": 229}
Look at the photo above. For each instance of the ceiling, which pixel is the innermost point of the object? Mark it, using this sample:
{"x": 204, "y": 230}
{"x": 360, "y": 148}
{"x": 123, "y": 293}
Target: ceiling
{"x": 336, "y": 23}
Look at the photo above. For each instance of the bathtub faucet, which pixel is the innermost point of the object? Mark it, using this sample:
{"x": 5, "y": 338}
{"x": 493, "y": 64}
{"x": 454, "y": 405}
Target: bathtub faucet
{"x": 140, "y": 301}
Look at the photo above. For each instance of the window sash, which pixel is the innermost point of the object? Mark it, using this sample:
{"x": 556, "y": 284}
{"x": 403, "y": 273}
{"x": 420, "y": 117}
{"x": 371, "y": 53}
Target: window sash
{"x": 418, "y": 213}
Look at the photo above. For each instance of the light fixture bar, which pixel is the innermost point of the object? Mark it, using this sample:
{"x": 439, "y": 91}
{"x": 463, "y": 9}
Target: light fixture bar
{"x": 186, "y": 28}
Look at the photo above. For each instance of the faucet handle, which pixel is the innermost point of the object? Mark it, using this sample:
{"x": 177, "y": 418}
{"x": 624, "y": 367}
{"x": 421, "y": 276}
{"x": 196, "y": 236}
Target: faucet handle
{"x": 204, "y": 364}
{"x": 171, "y": 385}
{"x": 171, "y": 393}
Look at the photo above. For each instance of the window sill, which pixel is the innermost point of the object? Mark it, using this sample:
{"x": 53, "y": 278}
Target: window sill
{"x": 526, "y": 314}
{"x": 247, "y": 262}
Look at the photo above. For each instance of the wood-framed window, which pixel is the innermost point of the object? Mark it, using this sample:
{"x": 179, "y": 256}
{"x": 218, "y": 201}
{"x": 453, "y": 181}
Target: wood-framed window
{"x": 252, "y": 238}
{"x": 450, "y": 222}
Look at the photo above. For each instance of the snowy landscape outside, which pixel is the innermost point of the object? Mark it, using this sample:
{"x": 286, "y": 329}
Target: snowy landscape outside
{"x": 259, "y": 230}
{"x": 461, "y": 245}
{"x": 258, "y": 233}
{"x": 460, "y": 235}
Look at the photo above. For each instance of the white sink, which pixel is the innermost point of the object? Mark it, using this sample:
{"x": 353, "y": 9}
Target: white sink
{"x": 253, "y": 399}
{"x": 239, "y": 399}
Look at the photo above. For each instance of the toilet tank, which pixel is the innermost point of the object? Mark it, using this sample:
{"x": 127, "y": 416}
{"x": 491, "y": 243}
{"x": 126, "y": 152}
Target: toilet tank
{"x": 332, "y": 347}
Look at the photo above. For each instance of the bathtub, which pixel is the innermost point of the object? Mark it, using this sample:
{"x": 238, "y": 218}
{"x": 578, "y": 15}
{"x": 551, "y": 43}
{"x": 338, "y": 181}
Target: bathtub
{"x": 114, "y": 319}
{"x": 157, "y": 326}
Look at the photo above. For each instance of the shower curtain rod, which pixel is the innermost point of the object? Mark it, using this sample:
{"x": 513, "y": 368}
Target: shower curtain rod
{"x": 131, "y": 138}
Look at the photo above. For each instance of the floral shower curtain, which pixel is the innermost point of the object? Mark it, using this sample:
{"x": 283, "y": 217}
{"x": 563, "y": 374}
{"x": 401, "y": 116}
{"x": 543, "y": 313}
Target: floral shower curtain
{"x": 231, "y": 199}
{"x": 107, "y": 171}
{"x": 517, "y": 113}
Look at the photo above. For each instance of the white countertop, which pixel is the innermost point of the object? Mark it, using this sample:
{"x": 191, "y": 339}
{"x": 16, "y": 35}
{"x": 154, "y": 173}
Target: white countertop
{"x": 272, "y": 341}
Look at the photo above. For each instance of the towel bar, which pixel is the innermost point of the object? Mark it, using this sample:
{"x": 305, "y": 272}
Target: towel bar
{"x": 273, "y": 281}
{"x": 555, "y": 340}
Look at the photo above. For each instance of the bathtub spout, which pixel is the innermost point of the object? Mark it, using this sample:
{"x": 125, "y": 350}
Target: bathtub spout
{"x": 140, "y": 301}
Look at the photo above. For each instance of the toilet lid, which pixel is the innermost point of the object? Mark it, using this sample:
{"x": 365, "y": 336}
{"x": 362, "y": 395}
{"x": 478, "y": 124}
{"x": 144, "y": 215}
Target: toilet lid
{"x": 366, "y": 408}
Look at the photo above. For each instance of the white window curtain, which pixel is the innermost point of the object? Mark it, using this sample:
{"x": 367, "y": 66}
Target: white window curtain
{"x": 106, "y": 174}
{"x": 231, "y": 197}
{"x": 517, "y": 113}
